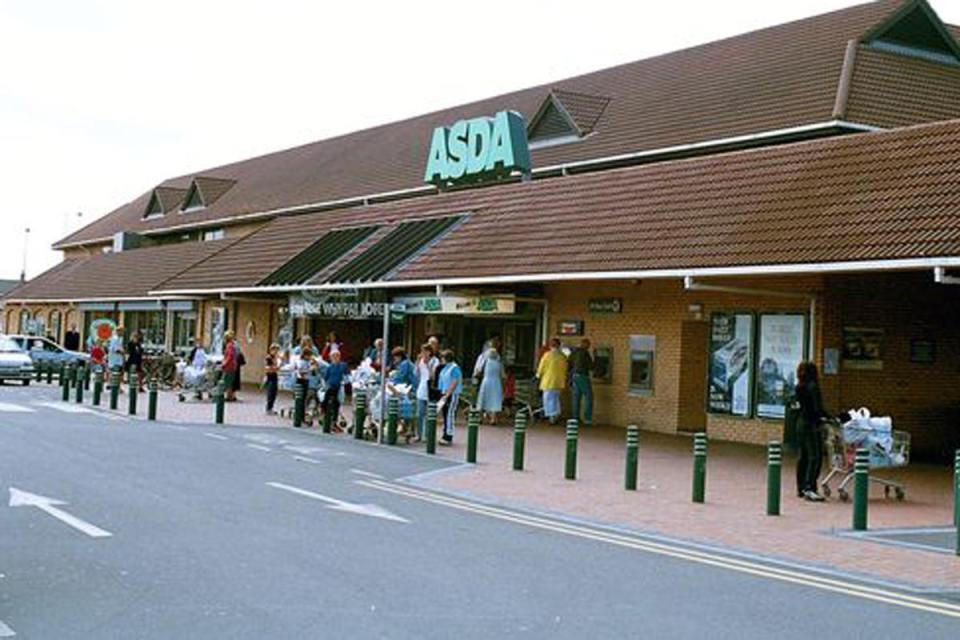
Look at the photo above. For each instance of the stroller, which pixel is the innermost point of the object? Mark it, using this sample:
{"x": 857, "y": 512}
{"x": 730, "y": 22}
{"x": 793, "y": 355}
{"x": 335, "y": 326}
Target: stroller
{"x": 197, "y": 381}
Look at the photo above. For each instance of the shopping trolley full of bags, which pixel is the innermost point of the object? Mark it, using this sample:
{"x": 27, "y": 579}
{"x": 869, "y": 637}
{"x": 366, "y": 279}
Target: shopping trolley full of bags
{"x": 859, "y": 430}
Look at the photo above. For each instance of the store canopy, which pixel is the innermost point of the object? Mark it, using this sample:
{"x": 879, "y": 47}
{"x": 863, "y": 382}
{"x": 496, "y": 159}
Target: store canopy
{"x": 395, "y": 249}
{"x": 318, "y": 256}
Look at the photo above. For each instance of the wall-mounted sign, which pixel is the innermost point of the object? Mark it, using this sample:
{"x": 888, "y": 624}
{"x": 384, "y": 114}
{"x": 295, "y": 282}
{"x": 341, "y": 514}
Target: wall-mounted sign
{"x": 731, "y": 363}
{"x": 782, "y": 347}
{"x": 336, "y": 309}
{"x": 923, "y": 351}
{"x": 862, "y": 348}
{"x": 460, "y": 305}
{"x": 478, "y": 149}
{"x": 570, "y": 328}
{"x": 605, "y": 305}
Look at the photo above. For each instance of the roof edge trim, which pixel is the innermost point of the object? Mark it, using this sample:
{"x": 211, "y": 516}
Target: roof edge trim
{"x": 540, "y": 171}
{"x": 650, "y": 274}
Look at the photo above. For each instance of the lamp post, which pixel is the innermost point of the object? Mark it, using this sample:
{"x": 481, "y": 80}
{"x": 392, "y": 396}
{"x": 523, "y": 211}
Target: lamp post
{"x": 26, "y": 242}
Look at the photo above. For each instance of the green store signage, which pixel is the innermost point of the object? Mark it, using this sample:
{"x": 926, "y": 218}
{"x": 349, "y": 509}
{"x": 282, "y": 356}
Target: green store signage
{"x": 478, "y": 149}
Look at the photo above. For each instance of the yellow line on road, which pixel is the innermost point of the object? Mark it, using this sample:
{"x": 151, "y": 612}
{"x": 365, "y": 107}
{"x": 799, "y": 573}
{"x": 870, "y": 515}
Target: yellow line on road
{"x": 753, "y": 568}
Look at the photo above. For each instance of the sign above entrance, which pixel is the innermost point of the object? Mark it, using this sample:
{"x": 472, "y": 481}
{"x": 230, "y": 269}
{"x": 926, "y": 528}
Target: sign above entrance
{"x": 605, "y": 305}
{"x": 478, "y": 149}
{"x": 460, "y": 305}
{"x": 336, "y": 309}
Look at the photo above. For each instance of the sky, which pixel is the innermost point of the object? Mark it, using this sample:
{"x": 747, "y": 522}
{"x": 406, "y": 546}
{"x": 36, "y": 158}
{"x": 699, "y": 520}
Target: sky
{"x": 100, "y": 100}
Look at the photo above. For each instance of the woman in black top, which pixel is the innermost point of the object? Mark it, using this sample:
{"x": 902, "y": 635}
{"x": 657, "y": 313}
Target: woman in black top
{"x": 809, "y": 433}
{"x": 271, "y": 367}
{"x": 135, "y": 358}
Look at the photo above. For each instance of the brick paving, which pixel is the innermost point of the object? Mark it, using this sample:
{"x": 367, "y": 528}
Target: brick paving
{"x": 733, "y": 516}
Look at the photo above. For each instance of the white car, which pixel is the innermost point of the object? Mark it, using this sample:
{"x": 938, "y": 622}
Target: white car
{"x": 14, "y": 363}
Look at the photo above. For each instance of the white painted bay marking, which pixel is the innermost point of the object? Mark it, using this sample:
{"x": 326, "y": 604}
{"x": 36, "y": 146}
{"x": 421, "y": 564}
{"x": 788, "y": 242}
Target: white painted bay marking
{"x": 19, "y": 498}
{"x": 372, "y": 510}
{"x": 306, "y": 459}
{"x": 5, "y": 631}
{"x": 65, "y": 407}
{"x": 259, "y": 447}
{"x": 216, "y": 436}
{"x": 7, "y": 407}
{"x": 369, "y": 474}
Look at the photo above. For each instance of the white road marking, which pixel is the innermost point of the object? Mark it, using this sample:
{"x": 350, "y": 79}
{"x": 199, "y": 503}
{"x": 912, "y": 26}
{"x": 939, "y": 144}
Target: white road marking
{"x": 5, "y": 631}
{"x": 259, "y": 447}
{"x": 799, "y": 577}
{"x": 19, "y": 498}
{"x": 264, "y": 439}
{"x": 369, "y": 474}
{"x": 306, "y": 459}
{"x": 216, "y": 436}
{"x": 65, "y": 407}
{"x": 6, "y": 407}
{"x": 305, "y": 450}
{"x": 372, "y": 510}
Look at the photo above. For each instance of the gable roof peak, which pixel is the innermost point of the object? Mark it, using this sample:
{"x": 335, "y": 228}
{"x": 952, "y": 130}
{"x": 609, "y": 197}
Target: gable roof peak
{"x": 914, "y": 27}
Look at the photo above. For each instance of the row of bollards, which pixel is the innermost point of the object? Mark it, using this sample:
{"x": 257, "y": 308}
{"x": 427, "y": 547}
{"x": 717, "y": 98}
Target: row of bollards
{"x": 79, "y": 378}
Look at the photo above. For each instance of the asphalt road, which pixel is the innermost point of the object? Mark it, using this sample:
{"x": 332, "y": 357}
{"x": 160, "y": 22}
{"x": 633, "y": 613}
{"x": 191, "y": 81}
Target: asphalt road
{"x": 204, "y": 532}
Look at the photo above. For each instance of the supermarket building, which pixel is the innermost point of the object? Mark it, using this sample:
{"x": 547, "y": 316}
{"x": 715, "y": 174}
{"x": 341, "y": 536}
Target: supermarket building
{"x": 707, "y": 218}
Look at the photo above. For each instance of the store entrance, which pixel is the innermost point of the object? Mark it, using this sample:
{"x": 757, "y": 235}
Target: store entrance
{"x": 356, "y": 335}
{"x": 518, "y": 337}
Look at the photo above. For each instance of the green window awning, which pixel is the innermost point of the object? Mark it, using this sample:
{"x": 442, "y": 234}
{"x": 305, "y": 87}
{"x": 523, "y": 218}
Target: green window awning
{"x": 318, "y": 256}
{"x": 398, "y": 247}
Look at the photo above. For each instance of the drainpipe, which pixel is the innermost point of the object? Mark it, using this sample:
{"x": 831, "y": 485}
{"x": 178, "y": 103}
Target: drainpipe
{"x": 689, "y": 284}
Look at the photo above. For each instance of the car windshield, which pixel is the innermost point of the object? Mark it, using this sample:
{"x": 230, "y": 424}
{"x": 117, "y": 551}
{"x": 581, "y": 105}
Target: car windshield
{"x": 8, "y": 346}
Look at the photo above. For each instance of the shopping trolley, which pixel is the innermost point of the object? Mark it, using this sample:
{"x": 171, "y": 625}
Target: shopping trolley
{"x": 888, "y": 449}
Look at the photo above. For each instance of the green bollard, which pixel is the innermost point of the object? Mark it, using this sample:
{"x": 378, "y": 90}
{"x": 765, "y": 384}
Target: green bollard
{"x": 152, "y": 399}
{"x": 393, "y": 416}
{"x": 359, "y": 413}
{"x": 774, "y": 466}
{"x": 38, "y": 371}
{"x": 299, "y": 407}
{"x": 97, "y": 387}
{"x": 473, "y": 434}
{"x": 114, "y": 389}
{"x": 132, "y": 400}
{"x": 79, "y": 386}
{"x": 633, "y": 458}
{"x": 699, "y": 467}
{"x": 48, "y": 367}
{"x": 62, "y": 374}
{"x": 86, "y": 377}
{"x": 65, "y": 386}
{"x": 431, "y": 428}
{"x": 218, "y": 403}
{"x": 861, "y": 489}
{"x": 519, "y": 439}
{"x": 570, "y": 466}
{"x": 327, "y": 419}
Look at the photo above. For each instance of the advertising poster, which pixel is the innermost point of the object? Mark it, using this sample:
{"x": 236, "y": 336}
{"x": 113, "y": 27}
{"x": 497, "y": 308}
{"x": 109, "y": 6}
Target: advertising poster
{"x": 782, "y": 348}
{"x": 731, "y": 361}
{"x": 862, "y": 348}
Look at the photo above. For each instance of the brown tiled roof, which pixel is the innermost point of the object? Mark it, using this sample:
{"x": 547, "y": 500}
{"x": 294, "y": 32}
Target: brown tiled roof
{"x": 874, "y": 196}
{"x": 170, "y": 198}
{"x": 890, "y": 90}
{"x": 585, "y": 109}
{"x": 212, "y": 188}
{"x": 107, "y": 276}
{"x": 775, "y": 78}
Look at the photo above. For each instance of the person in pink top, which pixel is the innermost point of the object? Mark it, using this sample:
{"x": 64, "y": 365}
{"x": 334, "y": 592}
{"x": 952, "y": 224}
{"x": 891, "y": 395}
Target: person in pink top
{"x": 229, "y": 366}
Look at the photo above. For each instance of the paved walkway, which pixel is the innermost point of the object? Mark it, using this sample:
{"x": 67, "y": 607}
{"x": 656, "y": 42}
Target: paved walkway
{"x": 734, "y": 514}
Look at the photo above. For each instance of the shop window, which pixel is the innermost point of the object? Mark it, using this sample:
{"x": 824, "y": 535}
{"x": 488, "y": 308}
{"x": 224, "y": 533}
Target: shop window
{"x": 213, "y": 234}
{"x": 55, "y": 325}
{"x": 153, "y": 325}
{"x": 643, "y": 351}
{"x": 218, "y": 327}
{"x": 184, "y": 330}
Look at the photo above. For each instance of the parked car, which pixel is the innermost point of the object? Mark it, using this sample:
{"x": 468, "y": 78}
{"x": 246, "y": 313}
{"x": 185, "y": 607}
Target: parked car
{"x": 14, "y": 363}
{"x": 42, "y": 349}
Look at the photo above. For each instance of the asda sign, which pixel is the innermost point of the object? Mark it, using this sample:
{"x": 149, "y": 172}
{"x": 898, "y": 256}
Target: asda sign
{"x": 478, "y": 149}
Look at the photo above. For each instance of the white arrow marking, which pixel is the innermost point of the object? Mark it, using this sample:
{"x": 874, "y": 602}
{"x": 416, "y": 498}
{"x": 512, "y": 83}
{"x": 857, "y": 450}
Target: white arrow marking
{"x": 6, "y": 407}
{"x": 20, "y": 498}
{"x": 5, "y": 631}
{"x": 372, "y": 510}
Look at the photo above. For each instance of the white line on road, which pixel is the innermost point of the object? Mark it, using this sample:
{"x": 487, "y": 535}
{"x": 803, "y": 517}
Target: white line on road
{"x": 5, "y": 631}
{"x": 6, "y": 407}
{"x": 20, "y": 498}
{"x": 752, "y": 568}
{"x": 64, "y": 407}
{"x": 216, "y": 436}
{"x": 372, "y": 510}
{"x": 361, "y": 472}
{"x": 259, "y": 447}
{"x": 306, "y": 459}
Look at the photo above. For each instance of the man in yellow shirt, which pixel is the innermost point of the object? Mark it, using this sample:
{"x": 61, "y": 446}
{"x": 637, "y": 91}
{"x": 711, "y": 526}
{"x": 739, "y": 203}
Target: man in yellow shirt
{"x": 552, "y": 372}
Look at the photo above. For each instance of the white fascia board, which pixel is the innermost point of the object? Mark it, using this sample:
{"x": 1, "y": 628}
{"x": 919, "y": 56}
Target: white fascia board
{"x": 650, "y": 274}
{"x": 400, "y": 193}
{"x": 149, "y": 298}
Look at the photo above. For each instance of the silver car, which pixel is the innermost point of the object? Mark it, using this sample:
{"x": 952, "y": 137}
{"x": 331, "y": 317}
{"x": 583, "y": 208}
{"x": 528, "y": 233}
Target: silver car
{"x": 14, "y": 363}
